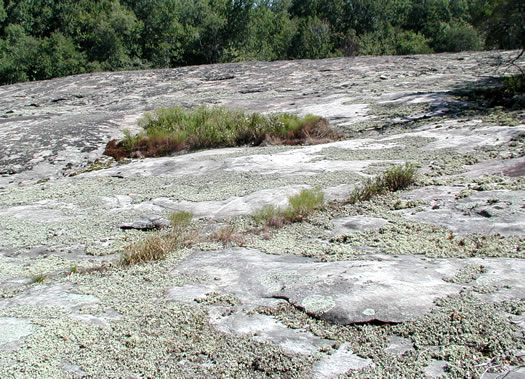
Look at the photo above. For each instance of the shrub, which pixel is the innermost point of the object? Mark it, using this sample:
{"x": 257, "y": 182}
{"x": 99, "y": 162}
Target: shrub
{"x": 394, "y": 179}
{"x": 409, "y": 42}
{"x": 173, "y": 129}
{"x": 457, "y": 37}
{"x": 398, "y": 177}
{"x": 301, "y": 205}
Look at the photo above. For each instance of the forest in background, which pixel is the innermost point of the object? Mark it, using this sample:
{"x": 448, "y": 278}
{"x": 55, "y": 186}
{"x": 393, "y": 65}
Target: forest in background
{"x": 43, "y": 39}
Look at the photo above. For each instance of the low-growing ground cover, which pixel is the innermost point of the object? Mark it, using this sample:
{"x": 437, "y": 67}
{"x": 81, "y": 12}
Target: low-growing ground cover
{"x": 174, "y": 129}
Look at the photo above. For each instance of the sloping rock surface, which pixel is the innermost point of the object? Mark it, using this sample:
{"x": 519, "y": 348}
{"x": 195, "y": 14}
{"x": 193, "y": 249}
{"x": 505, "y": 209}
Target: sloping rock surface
{"x": 417, "y": 283}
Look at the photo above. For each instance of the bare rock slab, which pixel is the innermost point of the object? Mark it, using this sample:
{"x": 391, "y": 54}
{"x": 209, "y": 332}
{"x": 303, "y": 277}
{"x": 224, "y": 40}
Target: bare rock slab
{"x": 339, "y": 363}
{"x": 350, "y": 224}
{"x": 57, "y": 295}
{"x": 381, "y": 288}
{"x": 487, "y": 212}
{"x": 12, "y": 330}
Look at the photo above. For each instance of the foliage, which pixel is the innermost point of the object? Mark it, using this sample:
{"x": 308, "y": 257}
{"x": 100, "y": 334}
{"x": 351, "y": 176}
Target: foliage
{"x": 269, "y": 216}
{"x": 45, "y": 39}
{"x": 393, "y": 179}
{"x": 300, "y": 207}
{"x": 173, "y": 129}
{"x": 457, "y": 37}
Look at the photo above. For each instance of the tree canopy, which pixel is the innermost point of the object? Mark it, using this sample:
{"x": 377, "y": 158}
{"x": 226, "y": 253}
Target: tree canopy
{"x": 42, "y": 39}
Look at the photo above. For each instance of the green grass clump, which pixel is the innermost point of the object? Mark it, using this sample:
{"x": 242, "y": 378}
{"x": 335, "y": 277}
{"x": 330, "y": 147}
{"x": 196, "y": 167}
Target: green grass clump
{"x": 39, "y": 278}
{"x": 180, "y": 220}
{"x": 393, "y": 179}
{"x": 301, "y": 205}
{"x": 168, "y": 130}
{"x": 269, "y": 216}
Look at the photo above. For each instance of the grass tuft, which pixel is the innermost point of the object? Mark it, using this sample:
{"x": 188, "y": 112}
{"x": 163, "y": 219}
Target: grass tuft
{"x": 153, "y": 248}
{"x": 393, "y": 179}
{"x": 269, "y": 216}
{"x": 174, "y": 129}
{"x": 158, "y": 245}
{"x": 301, "y": 206}
{"x": 180, "y": 220}
{"x": 226, "y": 235}
{"x": 39, "y": 278}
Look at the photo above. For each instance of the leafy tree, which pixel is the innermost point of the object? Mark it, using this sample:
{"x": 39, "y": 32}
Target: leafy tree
{"x": 48, "y": 38}
{"x": 105, "y": 30}
{"x": 3, "y": 13}
{"x": 505, "y": 24}
{"x": 313, "y": 39}
{"x": 18, "y": 56}
{"x": 59, "y": 57}
{"x": 458, "y": 36}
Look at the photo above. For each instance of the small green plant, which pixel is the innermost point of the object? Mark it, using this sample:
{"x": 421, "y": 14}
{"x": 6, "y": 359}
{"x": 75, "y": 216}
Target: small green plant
{"x": 73, "y": 269}
{"x": 393, "y": 179}
{"x": 39, "y": 278}
{"x": 269, "y": 216}
{"x": 129, "y": 140}
{"x": 180, "y": 220}
{"x": 398, "y": 177}
{"x": 300, "y": 206}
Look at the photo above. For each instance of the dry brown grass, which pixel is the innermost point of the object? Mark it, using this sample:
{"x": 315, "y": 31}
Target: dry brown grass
{"x": 152, "y": 248}
{"x": 227, "y": 236}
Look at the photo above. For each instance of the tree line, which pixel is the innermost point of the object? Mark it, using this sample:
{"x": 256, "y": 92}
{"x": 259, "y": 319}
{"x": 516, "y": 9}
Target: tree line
{"x": 42, "y": 39}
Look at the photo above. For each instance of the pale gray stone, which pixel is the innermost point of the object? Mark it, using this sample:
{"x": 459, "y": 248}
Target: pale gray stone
{"x": 381, "y": 287}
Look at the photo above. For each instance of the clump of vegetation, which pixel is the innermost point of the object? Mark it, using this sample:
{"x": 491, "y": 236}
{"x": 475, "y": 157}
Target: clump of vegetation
{"x": 152, "y": 248}
{"x": 301, "y": 205}
{"x": 225, "y": 235}
{"x": 157, "y": 245}
{"x": 180, "y": 220}
{"x": 304, "y": 203}
{"x": 269, "y": 216}
{"x": 174, "y": 129}
{"x": 39, "y": 278}
{"x": 393, "y": 179}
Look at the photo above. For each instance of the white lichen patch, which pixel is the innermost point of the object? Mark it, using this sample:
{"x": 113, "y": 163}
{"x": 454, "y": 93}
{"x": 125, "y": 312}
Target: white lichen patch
{"x": 13, "y": 329}
{"x": 151, "y": 336}
{"x": 318, "y": 304}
